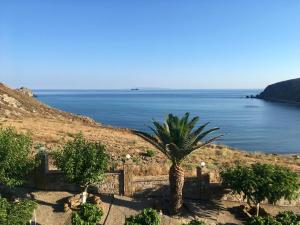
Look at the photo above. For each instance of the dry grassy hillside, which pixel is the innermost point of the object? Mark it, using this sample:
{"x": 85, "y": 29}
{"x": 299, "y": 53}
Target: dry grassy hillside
{"x": 15, "y": 104}
{"x": 52, "y": 128}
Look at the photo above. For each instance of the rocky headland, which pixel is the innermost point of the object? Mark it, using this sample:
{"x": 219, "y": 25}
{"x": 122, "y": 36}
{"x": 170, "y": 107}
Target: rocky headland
{"x": 285, "y": 91}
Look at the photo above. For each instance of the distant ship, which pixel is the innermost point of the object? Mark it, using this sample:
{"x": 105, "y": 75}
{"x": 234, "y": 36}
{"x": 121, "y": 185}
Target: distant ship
{"x": 134, "y": 89}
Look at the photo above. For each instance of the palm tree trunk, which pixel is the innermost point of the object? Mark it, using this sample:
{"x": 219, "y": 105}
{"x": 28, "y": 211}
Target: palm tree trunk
{"x": 176, "y": 178}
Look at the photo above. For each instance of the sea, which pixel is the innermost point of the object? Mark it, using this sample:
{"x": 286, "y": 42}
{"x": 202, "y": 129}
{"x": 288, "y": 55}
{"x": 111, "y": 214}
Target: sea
{"x": 247, "y": 124}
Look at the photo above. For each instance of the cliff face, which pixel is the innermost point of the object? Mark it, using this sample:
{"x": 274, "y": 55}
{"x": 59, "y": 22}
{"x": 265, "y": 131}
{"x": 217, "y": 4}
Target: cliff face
{"x": 287, "y": 91}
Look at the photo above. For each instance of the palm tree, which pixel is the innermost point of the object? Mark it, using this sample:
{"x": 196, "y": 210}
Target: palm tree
{"x": 177, "y": 138}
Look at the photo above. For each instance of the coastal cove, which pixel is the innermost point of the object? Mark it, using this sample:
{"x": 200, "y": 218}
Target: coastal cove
{"x": 249, "y": 124}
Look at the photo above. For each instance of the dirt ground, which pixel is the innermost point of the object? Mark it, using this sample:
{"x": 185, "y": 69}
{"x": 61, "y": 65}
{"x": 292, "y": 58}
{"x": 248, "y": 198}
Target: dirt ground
{"x": 117, "y": 208}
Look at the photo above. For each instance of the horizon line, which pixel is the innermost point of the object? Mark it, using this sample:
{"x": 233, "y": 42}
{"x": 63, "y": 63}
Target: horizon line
{"x": 139, "y": 89}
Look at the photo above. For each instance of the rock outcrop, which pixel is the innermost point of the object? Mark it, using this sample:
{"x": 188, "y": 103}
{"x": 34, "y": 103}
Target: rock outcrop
{"x": 25, "y": 91}
{"x": 20, "y": 103}
{"x": 285, "y": 91}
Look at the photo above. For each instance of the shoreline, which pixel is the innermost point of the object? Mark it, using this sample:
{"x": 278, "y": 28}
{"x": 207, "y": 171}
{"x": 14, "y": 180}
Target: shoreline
{"x": 280, "y": 101}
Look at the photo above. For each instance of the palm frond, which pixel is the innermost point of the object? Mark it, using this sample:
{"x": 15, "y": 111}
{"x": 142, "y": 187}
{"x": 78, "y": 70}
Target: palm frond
{"x": 199, "y": 146}
{"x": 177, "y": 138}
{"x": 152, "y": 140}
{"x": 204, "y": 134}
{"x": 200, "y": 129}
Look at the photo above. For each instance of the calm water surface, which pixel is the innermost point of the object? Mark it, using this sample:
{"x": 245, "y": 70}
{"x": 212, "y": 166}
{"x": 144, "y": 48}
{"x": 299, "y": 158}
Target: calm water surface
{"x": 250, "y": 124}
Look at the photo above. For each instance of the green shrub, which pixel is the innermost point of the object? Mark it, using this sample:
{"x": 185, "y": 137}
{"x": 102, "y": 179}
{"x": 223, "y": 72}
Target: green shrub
{"x": 288, "y": 218}
{"x": 260, "y": 182}
{"x": 195, "y": 222}
{"x": 84, "y": 162}
{"x": 76, "y": 219}
{"x": 89, "y": 214}
{"x": 150, "y": 153}
{"x": 4, "y": 205}
{"x": 16, "y": 213}
{"x": 258, "y": 220}
{"x": 146, "y": 217}
{"x": 284, "y": 218}
{"x": 16, "y": 160}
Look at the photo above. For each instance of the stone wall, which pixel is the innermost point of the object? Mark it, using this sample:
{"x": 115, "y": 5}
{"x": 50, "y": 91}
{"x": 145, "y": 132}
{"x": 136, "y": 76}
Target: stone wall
{"x": 55, "y": 180}
{"x": 205, "y": 186}
{"x": 158, "y": 186}
{"x": 151, "y": 186}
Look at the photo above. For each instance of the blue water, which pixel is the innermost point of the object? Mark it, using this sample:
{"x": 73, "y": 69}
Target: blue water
{"x": 250, "y": 124}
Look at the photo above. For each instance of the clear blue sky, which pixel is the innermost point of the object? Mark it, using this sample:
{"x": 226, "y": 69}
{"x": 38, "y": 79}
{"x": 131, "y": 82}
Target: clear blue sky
{"x": 149, "y": 43}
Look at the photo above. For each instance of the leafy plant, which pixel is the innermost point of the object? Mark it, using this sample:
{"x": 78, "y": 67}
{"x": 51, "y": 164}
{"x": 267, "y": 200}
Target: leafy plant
{"x": 177, "y": 138}
{"x": 16, "y": 213}
{"x": 84, "y": 162}
{"x": 288, "y": 218}
{"x": 195, "y": 222}
{"x": 4, "y": 205}
{"x": 260, "y": 182}
{"x": 150, "y": 153}
{"x": 89, "y": 214}
{"x": 283, "y": 218}
{"x": 16, "y": 160}
{"x": 146, "y": 217}
{"x": 258, "y": 220}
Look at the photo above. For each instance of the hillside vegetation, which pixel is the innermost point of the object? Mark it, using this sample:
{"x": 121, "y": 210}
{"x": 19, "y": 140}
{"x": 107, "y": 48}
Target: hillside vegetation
{"x": 51, "y": 128}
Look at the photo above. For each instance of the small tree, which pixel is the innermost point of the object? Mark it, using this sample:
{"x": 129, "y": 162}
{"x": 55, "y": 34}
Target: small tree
{"x": 260, "y": 182}
{"x": 16, "y": 158}
{"x": 84, "y": 162}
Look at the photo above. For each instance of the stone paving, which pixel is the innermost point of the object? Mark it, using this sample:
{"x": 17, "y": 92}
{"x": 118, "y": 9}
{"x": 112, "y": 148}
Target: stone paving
{"x": 117, "y": 208}
{"x": 50, "y": 209}
{"x": 123, "y": 207}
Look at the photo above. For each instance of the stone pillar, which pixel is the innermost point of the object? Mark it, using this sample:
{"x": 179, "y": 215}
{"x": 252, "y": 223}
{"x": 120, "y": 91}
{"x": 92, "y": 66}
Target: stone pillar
{"x": 203, "y": 178}
{"x": 128, "y": 179}
{"x": 41, "y": 171}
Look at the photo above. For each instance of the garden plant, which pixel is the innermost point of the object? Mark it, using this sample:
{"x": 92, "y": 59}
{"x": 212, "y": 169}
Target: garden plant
{"x": 89, "y": 214}
{"x": 16, "y": 162}
{"x": 283, "y": 218}
{"x": 261, "y": 182}
{"x": 148, "y": 216}
{"x": 84, "y": 162}
{"x": 195, "y": 222}
{"x": 16, "y": 157}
